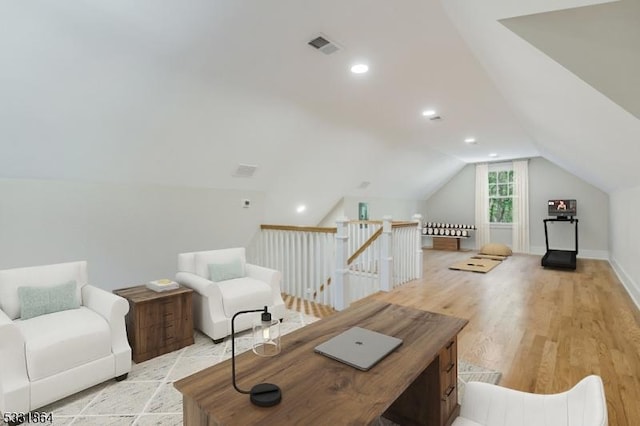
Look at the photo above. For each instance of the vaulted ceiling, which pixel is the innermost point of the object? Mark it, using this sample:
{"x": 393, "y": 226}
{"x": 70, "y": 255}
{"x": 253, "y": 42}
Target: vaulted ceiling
{"x": 180, "y": 93}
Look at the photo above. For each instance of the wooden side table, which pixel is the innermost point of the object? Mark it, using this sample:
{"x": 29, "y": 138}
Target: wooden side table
{"x": 157, "y": 322}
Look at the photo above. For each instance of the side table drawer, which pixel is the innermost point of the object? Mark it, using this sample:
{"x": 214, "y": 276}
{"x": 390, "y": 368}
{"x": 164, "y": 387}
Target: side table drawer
{"x": 156, "y": 337}
{"x": 161, "y": 311}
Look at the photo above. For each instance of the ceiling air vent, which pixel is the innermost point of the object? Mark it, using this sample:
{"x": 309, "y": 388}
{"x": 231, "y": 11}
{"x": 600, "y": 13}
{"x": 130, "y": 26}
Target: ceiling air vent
{"x": 324, "y": 45}
{"x": 435, "y": 118}
{"x": 364, "y": 184}
{"x": 244, "y": 170}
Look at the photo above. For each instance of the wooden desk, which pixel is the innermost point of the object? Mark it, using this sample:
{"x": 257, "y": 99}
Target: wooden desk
{"x": 416, "y": 384}
{"x": 157, "y": 322}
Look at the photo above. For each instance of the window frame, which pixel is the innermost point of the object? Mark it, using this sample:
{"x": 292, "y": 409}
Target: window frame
{"x": 497, "y": 168}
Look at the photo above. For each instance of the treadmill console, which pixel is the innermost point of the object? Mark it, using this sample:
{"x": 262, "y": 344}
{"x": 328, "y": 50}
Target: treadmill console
{"x": 562, "y": 208}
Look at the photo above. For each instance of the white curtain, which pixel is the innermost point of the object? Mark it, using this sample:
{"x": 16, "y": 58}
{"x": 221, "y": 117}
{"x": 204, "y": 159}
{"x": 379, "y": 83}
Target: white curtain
{"x": 520, "y": 233}
{"x": 482, "y": 205}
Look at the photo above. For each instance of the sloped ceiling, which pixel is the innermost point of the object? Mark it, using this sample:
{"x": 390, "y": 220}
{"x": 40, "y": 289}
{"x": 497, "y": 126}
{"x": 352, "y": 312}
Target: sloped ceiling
{"x": 560, "y": 98}
{"x": 598, "y": 43}
{"x": 180, "y": 93}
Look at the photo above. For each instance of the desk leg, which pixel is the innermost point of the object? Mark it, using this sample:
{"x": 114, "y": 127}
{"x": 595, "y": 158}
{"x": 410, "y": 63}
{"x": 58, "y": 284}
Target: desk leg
{"x": 419, "y": 404}
{"x": 192, "y": 415}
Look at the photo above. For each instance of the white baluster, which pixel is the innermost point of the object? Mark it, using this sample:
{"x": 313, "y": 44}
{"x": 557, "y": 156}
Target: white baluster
{"x": 308, "y": 290}
{"x": 342, "y": 268}
{"x": 300, "y": 263}
{"x": 313, "y": 279}
{"x": 287, "y": 259}
{"x": 328, "y": 241}
{"x": 418, "y": 245}
{"x": 330, "y": 256}
{"x": 386, "y": 255}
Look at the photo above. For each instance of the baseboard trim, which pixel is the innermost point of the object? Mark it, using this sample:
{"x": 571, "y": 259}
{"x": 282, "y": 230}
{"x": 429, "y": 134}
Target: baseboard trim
{"x": 582, "y": 254}
{"x": 628, "y": 283}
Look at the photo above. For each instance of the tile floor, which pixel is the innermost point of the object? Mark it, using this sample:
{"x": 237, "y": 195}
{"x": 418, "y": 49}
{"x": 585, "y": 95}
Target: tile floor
{"x": 148, "y": 397}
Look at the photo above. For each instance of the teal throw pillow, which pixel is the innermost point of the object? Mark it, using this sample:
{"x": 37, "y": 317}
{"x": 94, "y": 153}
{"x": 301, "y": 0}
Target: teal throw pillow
{"x": 36, "y": 301}
{"x": 226, "y": 271}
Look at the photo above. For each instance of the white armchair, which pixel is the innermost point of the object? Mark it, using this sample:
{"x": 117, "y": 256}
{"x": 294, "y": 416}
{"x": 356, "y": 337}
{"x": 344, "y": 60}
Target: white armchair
{"x": 490, "y": 405}
{"x": 48, "y": 357}
{"x": 217, "y": 299}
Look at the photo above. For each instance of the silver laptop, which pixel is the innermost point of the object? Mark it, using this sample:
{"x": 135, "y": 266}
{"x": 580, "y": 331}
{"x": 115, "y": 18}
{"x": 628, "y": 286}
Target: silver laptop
{"x": 359, "y": 347}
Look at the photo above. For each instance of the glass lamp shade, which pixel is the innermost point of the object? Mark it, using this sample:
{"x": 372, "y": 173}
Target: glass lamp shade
{"x": 266, "y": 337}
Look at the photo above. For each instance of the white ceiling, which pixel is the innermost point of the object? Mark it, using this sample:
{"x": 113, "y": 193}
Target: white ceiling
{"x": 181, "y": 92}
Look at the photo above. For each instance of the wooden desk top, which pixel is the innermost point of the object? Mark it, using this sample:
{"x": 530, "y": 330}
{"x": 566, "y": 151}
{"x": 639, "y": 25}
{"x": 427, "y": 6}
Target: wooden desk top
{"x": 317, "y": 389}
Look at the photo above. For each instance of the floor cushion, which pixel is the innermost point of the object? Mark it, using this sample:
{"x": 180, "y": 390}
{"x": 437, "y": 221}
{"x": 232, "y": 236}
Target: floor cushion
{"x": 496, "y": 249}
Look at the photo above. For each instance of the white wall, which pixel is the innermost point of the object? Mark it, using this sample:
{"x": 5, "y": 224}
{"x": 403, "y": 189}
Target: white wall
{"x": 129, "y": 234}
{"x": 398, "y": 209}
{"x": 548, "y": 181}
{"x": 334, "y": 214}
{"x": 455, "y": 202}
{"x": 625, "y": 238}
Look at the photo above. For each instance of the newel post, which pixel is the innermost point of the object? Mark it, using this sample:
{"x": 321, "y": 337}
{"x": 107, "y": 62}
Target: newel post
{"x": 340, "y": 296}
{"x": 418, "y": 218}
{"x": 386, "y": 255}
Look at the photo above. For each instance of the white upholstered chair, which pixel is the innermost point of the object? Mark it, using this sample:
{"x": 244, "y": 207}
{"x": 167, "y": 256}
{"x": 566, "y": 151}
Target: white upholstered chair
{"x": 490, "y": 405}
{"x": 49, "y": 356}
{"x": 235, "y": 286}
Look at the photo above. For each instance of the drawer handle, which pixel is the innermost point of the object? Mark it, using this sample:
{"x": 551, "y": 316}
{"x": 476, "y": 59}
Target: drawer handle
{"x": 450, "y": 367}
{"x": 448, "y": 393}
{"x": 450, "y": 344}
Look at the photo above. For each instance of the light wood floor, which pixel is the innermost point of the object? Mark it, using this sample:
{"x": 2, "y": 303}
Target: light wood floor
{"x": 310, "y": 308}
{"x": 543, "y": 329}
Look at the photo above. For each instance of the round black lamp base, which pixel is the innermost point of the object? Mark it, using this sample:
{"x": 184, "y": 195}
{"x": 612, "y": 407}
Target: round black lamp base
{"x": 265, "y": 395}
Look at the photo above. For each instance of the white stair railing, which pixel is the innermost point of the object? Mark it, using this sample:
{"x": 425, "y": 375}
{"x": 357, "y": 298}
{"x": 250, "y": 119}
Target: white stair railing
{"x": 387, "y": 259}
{"x": 326, "y": 266}
{"x": 360, "y": 231}
{"x": 364, "y": 263}
{"x": 304, "y": 255}
{"x": 407, "y": 251}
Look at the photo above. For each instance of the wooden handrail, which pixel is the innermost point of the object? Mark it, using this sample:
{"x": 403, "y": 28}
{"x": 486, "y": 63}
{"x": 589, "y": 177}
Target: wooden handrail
{"x": 300, "y": 228}
{"x": 364, "y": 246}
{"x": 403, "y": 224}
{"x": 328, "y": 230}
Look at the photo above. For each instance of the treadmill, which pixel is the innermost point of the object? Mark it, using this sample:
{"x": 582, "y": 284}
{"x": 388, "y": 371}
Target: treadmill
{"x": 560, "y": 259}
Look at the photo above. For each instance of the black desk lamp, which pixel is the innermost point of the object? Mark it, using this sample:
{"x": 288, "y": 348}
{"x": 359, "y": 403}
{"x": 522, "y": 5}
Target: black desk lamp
{"x": 266, "y": 342}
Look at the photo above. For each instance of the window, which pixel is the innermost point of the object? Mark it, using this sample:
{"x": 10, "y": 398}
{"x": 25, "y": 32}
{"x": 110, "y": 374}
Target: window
{"x": 501, "y": 196}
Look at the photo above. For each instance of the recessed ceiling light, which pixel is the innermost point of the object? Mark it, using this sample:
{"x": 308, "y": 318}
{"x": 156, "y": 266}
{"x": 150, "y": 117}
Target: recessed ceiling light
{"x": 359, "y": 68}
{"x": 493, "y": 155}
{"x": 428, "y": 112}
{"x": 301, "y": 208}
{"x": 470, "y": 140}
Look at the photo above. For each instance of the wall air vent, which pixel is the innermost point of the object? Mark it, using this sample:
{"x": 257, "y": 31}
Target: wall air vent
{"x": 244, "y": 170}
{"x": 323, "y": 44}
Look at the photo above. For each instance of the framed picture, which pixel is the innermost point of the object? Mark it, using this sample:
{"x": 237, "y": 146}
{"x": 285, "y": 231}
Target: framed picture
{"x": 363, "y": 213}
